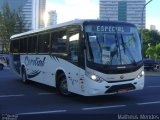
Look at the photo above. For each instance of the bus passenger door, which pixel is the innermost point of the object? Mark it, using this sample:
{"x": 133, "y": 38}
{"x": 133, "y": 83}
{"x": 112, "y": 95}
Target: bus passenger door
{"x": 73, "y": 54}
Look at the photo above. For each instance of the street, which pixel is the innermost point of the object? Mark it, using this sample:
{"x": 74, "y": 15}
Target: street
{"x": 21, "y": 101}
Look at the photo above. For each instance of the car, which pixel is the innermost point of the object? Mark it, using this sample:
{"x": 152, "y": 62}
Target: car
{"x": 149, "y": 64}
{"x": 3, "y": 62}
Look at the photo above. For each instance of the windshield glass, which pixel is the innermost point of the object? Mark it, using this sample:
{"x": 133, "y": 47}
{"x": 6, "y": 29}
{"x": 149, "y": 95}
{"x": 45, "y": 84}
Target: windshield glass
{"x": 113, "y": 46}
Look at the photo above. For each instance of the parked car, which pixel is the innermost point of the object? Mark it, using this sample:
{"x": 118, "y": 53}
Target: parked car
{"x": 3, "y": 62}
{"x": 149, "y": 64}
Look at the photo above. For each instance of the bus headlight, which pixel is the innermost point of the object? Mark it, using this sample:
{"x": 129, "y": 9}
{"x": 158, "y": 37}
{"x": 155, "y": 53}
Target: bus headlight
{"x": 140, "y": 75}
{"x": 96, "y": 78}
{"x": 93, "y": 77}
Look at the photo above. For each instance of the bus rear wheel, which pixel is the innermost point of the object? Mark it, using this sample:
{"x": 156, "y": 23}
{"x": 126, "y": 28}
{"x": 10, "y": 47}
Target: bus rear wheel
{"x": 62, "y": 85}
{"x": 24, "y": 76}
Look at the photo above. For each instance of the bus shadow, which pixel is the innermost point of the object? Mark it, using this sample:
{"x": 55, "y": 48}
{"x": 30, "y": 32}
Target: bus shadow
{"x": 38, "y": 86}
{"x": 116, "y": 98}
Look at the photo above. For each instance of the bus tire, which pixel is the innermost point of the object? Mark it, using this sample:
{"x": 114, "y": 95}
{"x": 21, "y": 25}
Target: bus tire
{"x": 62, "y": 85}
{"x": 1, "y": 67}
{"x": 24, "y": 76}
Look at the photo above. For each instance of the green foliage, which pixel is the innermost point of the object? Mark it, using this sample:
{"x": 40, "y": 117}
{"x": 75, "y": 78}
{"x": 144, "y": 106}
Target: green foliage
{"x": 11, "y": 22}
{"x": 151, "y": 44}
{"x": 7, "y": 23}
{"x": 153, "y": 51}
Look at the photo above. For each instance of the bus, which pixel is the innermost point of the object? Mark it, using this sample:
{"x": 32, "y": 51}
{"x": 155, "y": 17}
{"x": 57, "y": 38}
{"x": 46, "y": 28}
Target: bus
{"x": 85, "y": 57}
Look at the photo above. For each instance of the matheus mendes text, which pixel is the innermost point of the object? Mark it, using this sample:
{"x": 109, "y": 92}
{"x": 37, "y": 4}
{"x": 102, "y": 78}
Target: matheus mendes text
{"x": 35, "y": 62}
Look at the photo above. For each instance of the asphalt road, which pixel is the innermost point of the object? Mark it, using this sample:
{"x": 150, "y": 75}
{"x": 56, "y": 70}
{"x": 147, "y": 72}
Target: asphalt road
{"x": 36, "y": 101}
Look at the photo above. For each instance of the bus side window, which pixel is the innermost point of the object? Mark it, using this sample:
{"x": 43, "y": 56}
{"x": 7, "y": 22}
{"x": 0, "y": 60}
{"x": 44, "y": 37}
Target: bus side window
{"x": 43, "y": 43}
{"x": 73, "y": 46}
{"x": 32, "y": 44}
{"x": 23, "y": 45}
{"x": 59, "y": 42}
{"x": 15, "y": 46}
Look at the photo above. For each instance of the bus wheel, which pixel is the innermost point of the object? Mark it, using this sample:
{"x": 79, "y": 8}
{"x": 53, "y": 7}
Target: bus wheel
{"x": 1, "y": 67}
{"x": 24, "y": 76}
{"x": 62, "y": 85}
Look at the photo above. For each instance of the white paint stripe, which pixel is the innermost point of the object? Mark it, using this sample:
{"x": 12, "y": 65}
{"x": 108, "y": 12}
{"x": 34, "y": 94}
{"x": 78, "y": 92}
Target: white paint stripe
{"x": 147, "y": 103}
{"x": 43, "y": 112}
{"x": 46, "y": 93}
{"x": 103, "y": 107}
{"x": 3, "y": 96}
{"x": 154, "y": 86}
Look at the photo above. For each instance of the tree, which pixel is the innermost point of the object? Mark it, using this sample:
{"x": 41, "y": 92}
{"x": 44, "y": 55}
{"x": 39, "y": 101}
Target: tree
{"x": 158, "y": 50}
{"x": 153, "y": 52}
{"x": 150, "y": 52}
{"x": 11, "y": 22}
{"x": 151, "y": 37}
{"x": 155, "y": 37}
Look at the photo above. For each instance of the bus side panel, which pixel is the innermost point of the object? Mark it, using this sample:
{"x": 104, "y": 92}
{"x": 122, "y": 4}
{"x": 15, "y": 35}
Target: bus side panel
{"x": 39, "y": 68}
{"x": 43, "y": 68}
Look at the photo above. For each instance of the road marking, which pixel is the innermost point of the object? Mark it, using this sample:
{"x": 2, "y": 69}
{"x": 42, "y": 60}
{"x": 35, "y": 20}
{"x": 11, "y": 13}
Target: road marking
{"x": 103, "y": 107}
{"x": 46, "y": 93}
{"x": 154, "y": 86}
{"x": 3, "y": 96}
{"x": 147, "y": 103}
{"x": 43, "y": 112}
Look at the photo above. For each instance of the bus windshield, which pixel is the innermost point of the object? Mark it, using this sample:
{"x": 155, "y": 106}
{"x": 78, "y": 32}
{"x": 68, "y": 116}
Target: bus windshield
{"x": 113, "y": 45}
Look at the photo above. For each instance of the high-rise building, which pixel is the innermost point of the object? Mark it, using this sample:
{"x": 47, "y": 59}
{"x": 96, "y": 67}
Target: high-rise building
{"x": 38, "y": 13}
{"x": 123, "y": 10}
{"x": 52, "y": 18}
{"x": 152, "y": 27}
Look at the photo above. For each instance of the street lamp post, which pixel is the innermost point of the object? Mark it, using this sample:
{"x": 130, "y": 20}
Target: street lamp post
{"x": 142, "y": 20}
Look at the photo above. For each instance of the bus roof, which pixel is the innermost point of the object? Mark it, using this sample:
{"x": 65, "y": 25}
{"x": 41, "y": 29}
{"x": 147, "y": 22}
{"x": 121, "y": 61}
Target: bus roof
{"x": 73, "y": 22}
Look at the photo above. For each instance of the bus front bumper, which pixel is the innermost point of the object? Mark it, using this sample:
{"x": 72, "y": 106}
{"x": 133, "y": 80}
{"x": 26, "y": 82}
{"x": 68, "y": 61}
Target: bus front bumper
{"x": 105, "y": 88}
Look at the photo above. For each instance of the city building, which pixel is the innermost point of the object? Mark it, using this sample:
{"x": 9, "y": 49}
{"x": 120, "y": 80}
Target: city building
{"x": 38, "y": 13}
{"x": 123, "y": 10}
{"x": 52, "y": 18}
{"x": 152, "y": 27}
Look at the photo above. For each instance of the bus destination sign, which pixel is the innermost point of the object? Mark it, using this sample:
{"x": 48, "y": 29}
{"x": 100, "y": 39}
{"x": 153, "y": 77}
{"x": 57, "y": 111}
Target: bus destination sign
{"x": 103, "y": 28}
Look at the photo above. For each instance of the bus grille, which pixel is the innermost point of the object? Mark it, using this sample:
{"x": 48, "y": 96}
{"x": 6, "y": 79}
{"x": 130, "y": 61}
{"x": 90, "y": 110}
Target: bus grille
{"x": 120, "y": 81}
{"x": 119, "y": 88}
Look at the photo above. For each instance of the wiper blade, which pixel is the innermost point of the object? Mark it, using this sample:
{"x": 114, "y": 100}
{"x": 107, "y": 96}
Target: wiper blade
{"x": 123, "y": 44}
{"x": 116, "y": 41}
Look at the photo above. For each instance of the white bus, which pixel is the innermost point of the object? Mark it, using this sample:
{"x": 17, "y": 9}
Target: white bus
{"x": 86, "y": 57}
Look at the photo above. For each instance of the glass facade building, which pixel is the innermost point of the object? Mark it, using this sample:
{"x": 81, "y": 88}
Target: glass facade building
{"x": 52, "y": 18}
{"x": 123, "y": 10}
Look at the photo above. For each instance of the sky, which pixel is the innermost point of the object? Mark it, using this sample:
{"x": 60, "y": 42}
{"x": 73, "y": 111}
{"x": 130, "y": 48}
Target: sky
{"x": 89, "y": 9}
